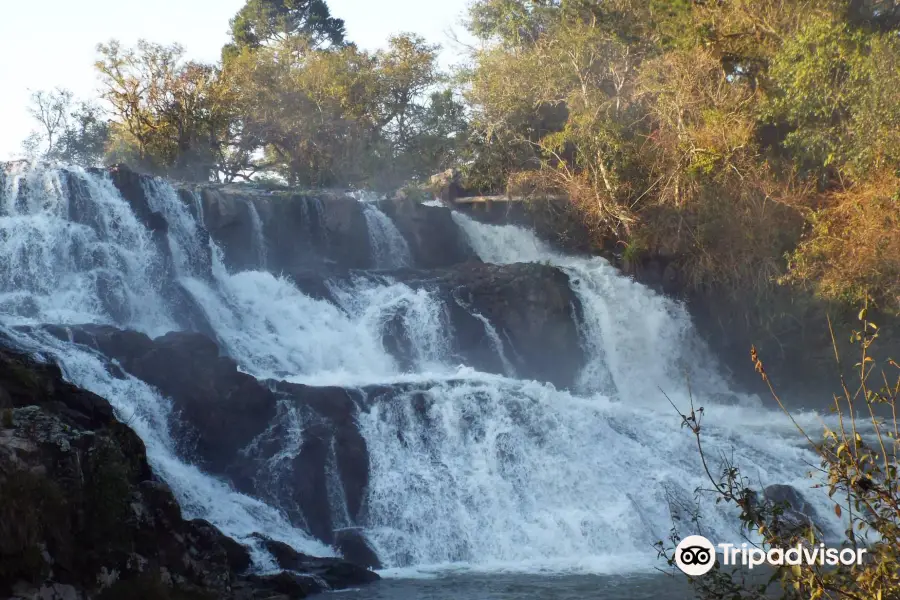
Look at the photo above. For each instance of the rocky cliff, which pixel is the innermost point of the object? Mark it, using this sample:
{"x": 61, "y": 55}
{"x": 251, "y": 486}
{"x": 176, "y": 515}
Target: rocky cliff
{"x": 82, "y": 515}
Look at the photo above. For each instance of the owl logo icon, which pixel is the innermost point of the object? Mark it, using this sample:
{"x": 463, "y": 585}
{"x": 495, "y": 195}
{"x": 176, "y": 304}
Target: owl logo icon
{"x": 695, "y": 555}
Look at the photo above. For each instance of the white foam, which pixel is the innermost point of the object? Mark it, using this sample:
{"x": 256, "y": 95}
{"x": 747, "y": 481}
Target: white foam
{"x": 474, "y": 471}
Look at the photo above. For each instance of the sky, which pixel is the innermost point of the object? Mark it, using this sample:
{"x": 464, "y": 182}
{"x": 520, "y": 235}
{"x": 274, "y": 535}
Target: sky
{"x": 52, "y": 43}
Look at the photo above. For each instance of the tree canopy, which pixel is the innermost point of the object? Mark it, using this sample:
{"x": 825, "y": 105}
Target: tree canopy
{"x": 69, "y": 130}
{"x": 750, "y": 141}
{"x": 262, "y": 22}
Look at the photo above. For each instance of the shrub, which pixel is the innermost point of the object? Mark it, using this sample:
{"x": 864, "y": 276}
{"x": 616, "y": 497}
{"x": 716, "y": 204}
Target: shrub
{"x": 858, "y": 465}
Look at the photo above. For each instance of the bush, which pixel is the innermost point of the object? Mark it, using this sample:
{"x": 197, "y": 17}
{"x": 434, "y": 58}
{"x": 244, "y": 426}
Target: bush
{"x": 858, "y": 463}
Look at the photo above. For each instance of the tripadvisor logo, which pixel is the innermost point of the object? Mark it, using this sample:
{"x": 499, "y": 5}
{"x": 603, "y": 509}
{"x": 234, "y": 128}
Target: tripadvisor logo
{"x": 695, "y": 555}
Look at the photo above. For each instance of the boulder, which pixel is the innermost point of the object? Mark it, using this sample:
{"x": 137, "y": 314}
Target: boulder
{"x": 222, "y": 409}
{"x": 354, "y": 547}
{"x": 338, "y": 574}
{"x": 446, "y": 185}
{"x": 797, "y": 514}
{"x": 797, "y": 511}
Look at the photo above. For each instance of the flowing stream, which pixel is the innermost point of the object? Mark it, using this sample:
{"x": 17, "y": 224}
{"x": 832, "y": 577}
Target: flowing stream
{"x": 499, "y": 473}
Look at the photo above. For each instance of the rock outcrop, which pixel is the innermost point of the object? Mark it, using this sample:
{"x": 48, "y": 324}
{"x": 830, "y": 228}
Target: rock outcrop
{"x": 82, "y": 516}
{"x": 231, "y": 424}
{"x": 433, "y": 237}
{"x": 532, "y": 309}
{"x": 222, "y": 409}
{"x": 320, "y": 232}
{"x": 288, "y": 232}
{"x": 797, "y": 512}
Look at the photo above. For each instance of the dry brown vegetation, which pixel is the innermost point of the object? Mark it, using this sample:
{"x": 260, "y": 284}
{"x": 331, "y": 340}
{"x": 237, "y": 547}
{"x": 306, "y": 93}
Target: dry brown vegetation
{"x": 752, "y": 143}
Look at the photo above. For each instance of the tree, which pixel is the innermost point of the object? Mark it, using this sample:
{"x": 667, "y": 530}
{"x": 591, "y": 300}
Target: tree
{"x": 172, "y": 117}
{"x": 513, "y": 23}
{"x": 73, "y": 132}
{"x": 264, "y": 22}
{"x": 311, "y": 110}
{"x": 559, "y": 97}
{"x": 440, "y": 129}
{"x": 835, "y": 90}
{"x": 405, "y": 70}
{"x": 51, "y": 111}
{"x": 85, "y": 138}
{"x": 339, "y": 115}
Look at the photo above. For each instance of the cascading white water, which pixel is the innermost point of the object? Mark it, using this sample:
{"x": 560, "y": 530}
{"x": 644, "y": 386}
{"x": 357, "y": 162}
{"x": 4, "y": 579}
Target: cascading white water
{"x": 638, "y": 342}
{"x": 490, "y": 472}
{"x": 50, "y": 266}
{"x": 101, "y": 267}
{"x": 389, "y": 248}
{"x": 259, "y": 237}
{"x": 498, "y": 474}
{"x": 511, "y": 475}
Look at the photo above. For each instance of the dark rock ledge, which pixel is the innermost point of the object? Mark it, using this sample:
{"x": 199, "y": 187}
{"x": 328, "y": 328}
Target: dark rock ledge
{"x": 82, "y": 515}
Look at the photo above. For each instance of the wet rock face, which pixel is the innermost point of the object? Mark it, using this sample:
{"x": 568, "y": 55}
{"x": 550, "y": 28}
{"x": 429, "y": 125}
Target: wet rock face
{"x": 224, "y": 409}
{"x": 433, "y": 237}
{"x": 79, "y": 499}
{"x": 334, "y": 414}
{"x": 337, "y": 573}
{"x": 322, "y": 231}
{"x": 531, "y": 308}
{"x": 82, "y": 515}
{"x": 287, "y": 232}
{"x": 230, "y": 422}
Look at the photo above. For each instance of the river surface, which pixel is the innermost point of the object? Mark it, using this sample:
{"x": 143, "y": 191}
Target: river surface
{"x": 502, "y": 586}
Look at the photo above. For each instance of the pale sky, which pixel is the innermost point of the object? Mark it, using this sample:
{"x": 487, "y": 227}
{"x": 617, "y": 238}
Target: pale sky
{"x": 52, "y": 43}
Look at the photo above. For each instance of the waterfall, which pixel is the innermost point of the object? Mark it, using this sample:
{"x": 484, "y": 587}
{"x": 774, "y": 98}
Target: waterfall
{"x": 493, "y": 336}
{"x": 467, "y": 469}
{"x": 52, "y": 267}
{"x": 638, "y": 341}
{"x": 259, "y": 238}
{"x": 389, "y": 248}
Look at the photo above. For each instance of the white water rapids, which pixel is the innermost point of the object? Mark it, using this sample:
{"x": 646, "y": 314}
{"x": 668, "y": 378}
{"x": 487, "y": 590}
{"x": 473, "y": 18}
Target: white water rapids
{"x": 499, "y": 473}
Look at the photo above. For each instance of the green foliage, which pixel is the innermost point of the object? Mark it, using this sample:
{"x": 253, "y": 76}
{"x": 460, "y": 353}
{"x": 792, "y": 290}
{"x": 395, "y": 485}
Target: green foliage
{"x": 714, "y": 132}
{"x": 731, "y": 137}
{"x": 172, "y": 116}
{"x": 289, "y": 99}
{"x": 852, "y": 249}
{"x": 835, "y": 88}
{"x": 69, "y": 131}
{"x": 341, "y": 116}
{"x": 262, "y": 22}
{"x": 513, "y": 22}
